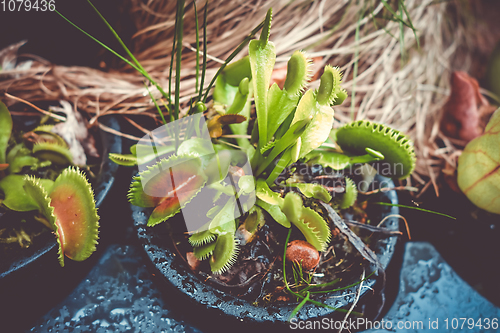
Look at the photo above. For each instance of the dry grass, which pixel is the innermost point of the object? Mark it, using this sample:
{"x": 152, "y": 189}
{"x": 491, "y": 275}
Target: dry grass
{"x": 406, "y": 94}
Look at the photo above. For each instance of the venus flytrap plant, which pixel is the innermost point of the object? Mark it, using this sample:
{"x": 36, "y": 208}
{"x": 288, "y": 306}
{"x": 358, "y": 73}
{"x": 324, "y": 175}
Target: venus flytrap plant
{"x": 64, "y": 203}
{"x": 290, "y": 125}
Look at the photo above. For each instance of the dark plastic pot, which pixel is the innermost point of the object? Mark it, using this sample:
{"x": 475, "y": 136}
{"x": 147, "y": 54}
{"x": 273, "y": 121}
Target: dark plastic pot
{"x": 211, "y": 308}
{"x": 33, "y": 278}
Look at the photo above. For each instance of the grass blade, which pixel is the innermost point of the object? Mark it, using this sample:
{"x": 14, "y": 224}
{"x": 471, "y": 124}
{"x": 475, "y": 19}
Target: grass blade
{"x": 416, "y": 208}
{"x": 204, "y": 69}
{"x": 156, "y": 104}
{"x": 127, "y": 50}
{"x": 103, "y": 45}
{"x": 179, "y": 31}
{"x": 197, "y": 48}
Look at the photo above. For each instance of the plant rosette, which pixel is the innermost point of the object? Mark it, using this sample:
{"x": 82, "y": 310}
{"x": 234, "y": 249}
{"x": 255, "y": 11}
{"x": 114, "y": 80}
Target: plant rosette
{"x": 46, "y": 200}
{"x": 240, "y": 204}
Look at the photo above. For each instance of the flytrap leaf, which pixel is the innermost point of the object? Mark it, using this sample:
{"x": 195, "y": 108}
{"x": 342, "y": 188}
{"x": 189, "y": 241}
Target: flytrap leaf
{"x": 43, "y": 134}
{"x": 204, "y": 251}
{"x": 396, "y": 147}
{"x": 70, "y": 209}
{"x": 224, "y": 251}
{"x": 314, "y": 228}
{"x": 167, "y": 186}
{"x": 282, "y": 102}
{"x": 350, "y": 195}
{"x": 201, "y": 238}
{"x": 224, "y": 254}
{"x": 5, "y": 130}
{"x": 315, "y": 106}
{"x": 123, "y": 159}
{"x": 52, "y": 152}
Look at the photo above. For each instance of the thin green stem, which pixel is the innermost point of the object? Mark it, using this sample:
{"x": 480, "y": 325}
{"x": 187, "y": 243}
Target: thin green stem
{"x": 410, "y": 23}
{"x": 127, "y": 50}
{"x": 204, "y": 69}
{"x": 343, "y": 288}
{"x": 298, "y": 295}
{"x": 172, "y": 57}
{"x": 197, "y": 48}
{"x": 416, "y": 208}
{"x": 156, "y": 104}
{"x": 178, "y": 57}
{"x": 104, "y": 45}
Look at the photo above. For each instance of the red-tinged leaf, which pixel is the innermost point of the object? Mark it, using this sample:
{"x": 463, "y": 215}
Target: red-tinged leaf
{"x": 180, "y": 196}
{"x": 462, "y": 112}
{"x": 3, "y": 167}
{"x": 76, "y": 216}
{"x": 168, "y": 186}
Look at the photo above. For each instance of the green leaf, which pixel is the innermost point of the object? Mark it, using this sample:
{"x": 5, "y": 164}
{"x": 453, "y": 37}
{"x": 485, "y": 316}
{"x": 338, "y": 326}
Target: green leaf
{"x": 148, "y": 153}
{"x": 196, "y": 146}
{"x": 314, "y": 228}
{"x": 264, "y": 193}
{"x": 340, "y": 161}
{"x": 315, "y": 191}
{"x": 18, "y": 163}
{"x": 16, "y": 197}
{"x": 73, "y": 201}
{"x": 479, "y": 168}
{"x": 5, "y": 131}
{"x": 201, "y": 238}
{"x": 223, "y": 222}
{"x": 281, "y": 104}
{"x": 52, "y": 152}
{"x": 204, "y": 251}
{"x": 237, "y": 71}
{"x": 224, "y": 254}
{"x": 297, "y": 73}
{"x": 274, "y": 211}
{"x": 262, "y": 56}
{"x": 318, "y": 129}
{"x": 246, "y": 184}
{"x": 168, "y": 186}
{"x": 350, "y": 195}
{"x": 241, "y": 98}
{"x": 329, "y": 86}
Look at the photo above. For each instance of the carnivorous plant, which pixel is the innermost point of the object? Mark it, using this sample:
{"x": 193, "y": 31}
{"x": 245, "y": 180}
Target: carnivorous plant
{"x": 36, "y": 176}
